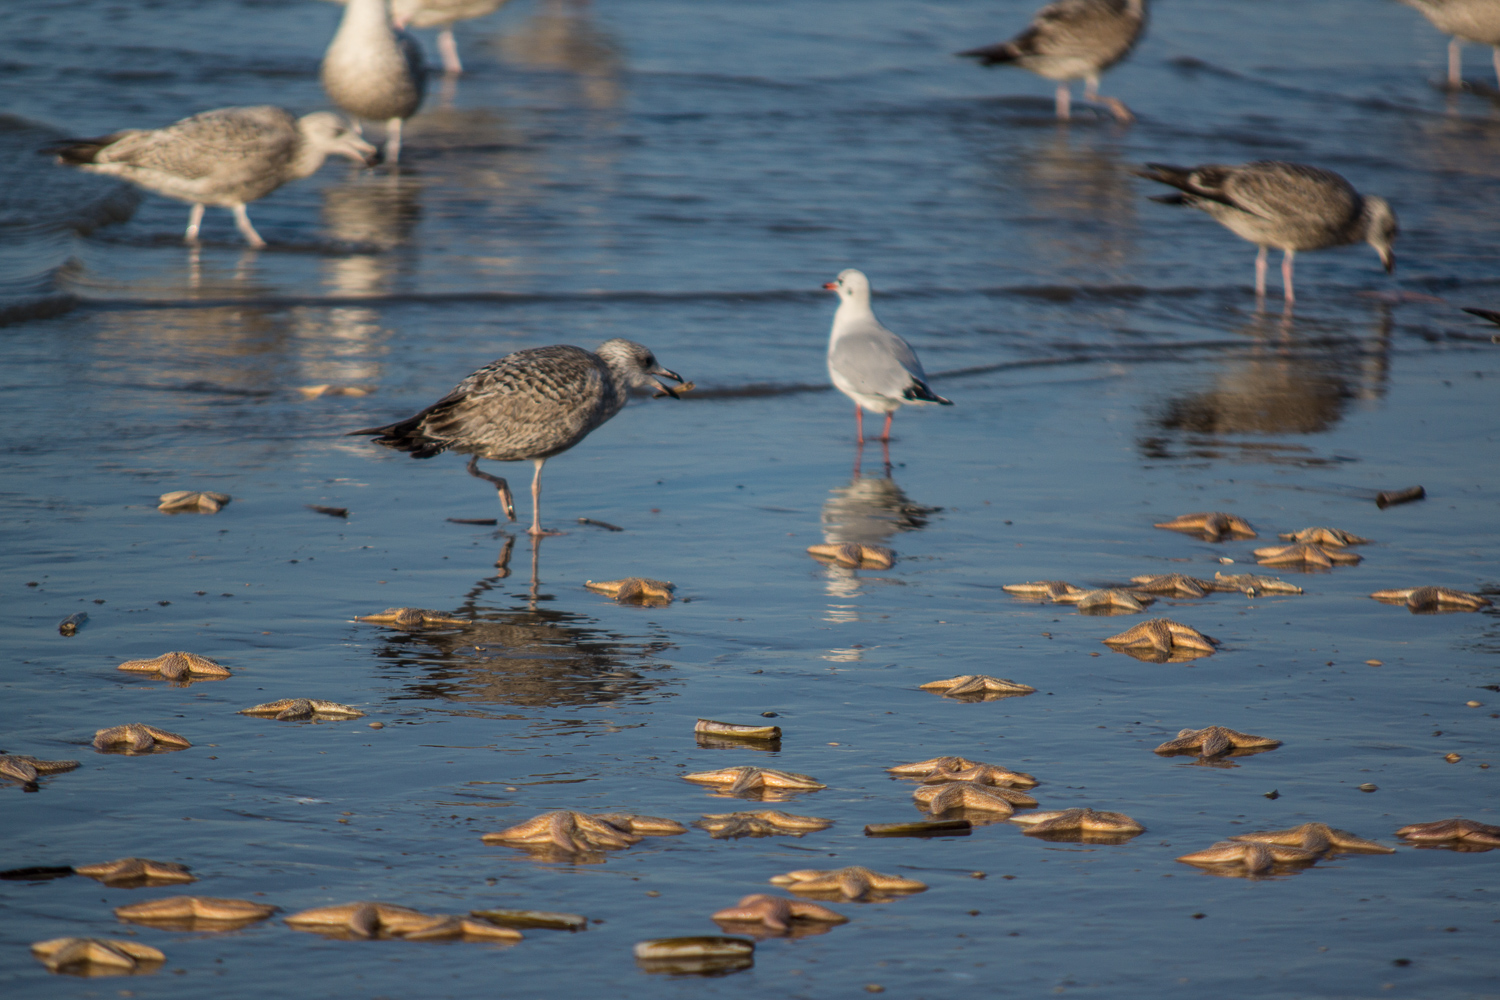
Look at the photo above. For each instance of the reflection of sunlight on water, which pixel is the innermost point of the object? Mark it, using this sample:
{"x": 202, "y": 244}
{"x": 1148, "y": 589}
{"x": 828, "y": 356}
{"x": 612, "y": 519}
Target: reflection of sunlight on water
{"x": 867, "y": 510}
{"x": 560, "y": 36}
{"x": 841, "y": 613}
{"x": 844, "y": 655}
{"x": 338, "y": 346}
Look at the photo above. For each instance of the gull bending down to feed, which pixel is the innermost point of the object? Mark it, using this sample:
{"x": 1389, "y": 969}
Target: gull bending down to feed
{"x": 1288, "y": 206}
{"x": 1072, "y": 40}
{"x": 373, "y": 71}
{"x": 867, "y": 362}
{"x": 227, "y": 158}
{"x": 530, "y": 405}
{"x": 1476, "y": 21}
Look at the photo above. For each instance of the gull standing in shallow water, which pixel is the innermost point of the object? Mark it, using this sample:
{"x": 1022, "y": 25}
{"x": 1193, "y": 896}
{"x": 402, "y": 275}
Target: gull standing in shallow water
{"x": 224, "y": 158}
{"x": 531, "y": 405}
{"x": 1475, "y": 21}
{"x": 867, "y": 362}
{"x": 441, "y": 14}
{"x": 1284, "y": 205}
{"x": 373, "y": 71}
{"x": 1071, "y": 40}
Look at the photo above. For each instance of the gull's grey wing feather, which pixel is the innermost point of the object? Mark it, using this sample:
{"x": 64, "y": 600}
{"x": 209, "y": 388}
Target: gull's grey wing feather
{"x": 1293, "y": 192}
{"x": 876, "y": 361}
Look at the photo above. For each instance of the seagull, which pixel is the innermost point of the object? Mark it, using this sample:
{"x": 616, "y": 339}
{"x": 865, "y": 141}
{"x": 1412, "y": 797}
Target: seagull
{"x": 1070, "y": 40}
{"x": 1476, "y": 21}
{"x": 530, "y": 405}
{"x": 225, "y": 158}
{"x": 1284, "y": 205}
{"x": 373, "y": 71}
{"x": 867, "y": 362}
{"x": 441, "y": 14}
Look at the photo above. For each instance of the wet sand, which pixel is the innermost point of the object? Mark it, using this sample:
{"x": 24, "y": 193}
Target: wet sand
{"x": 616, "y": 171}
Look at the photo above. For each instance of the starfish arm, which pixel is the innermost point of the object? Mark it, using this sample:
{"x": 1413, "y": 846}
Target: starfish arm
{"x": 1215, "y": 742}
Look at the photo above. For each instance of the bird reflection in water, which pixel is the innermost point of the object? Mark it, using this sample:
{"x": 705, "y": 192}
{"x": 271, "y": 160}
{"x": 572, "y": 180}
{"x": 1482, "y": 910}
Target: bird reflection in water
{"x": 561, "y": 36}
{"x": 868, "y": 510}
{"x": 528, "y": 656}
{"x": 1287, "y": 383}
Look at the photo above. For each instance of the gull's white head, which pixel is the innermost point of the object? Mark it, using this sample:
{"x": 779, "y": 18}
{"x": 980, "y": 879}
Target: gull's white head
{"x": 327, "y": 134}
{"x": 852, "y": 286}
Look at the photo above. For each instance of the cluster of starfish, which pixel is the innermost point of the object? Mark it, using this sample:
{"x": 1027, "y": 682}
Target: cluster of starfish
{"x": 854, "y": 555}
{"x": 565, "y": 832}
{"x": 178, "y": 666}
{"x": 636, "y": 590}
{"x": 1160, "y": 640}
{"x": 1271, "y": 851}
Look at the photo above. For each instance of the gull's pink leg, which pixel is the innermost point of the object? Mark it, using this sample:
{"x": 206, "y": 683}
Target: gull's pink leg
{"x": 536, "y": 502}
{"x": 859, "y": 423}
{"x": 1260, "y": 274}
{"x": 885, "y": 435}
{"x": 1286, "y": 274}
{"x": 1063, "y": 99}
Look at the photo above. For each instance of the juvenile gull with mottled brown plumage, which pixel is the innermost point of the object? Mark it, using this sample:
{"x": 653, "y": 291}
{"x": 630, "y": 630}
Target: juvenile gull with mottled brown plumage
{"x": 530, "y": 405}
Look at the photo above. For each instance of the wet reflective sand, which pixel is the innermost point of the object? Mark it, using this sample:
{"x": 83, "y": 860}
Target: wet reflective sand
{"x": 621, "y": 170}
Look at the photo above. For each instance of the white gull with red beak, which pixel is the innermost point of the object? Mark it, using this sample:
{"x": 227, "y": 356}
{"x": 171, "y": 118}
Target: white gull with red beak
{"x": 870, "y": 364}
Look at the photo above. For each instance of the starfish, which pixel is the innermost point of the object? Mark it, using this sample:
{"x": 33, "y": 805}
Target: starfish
{"x": 137, "y": 737}
{"x": 412, "y": 618}
{"x": 1043, "y": 590}
{"x": 1212, "y": 525}
{"x": 177, "y": 666}
{"x": 195, "y": 913}
{"x": 1160, "y": 639}
{"x": 938, "y": 799}
{"x": 854, "y": 555}
{"x": 963, "y": 769}
{"x": 1433, "y": 598}
{"x": 1215, "y": 740}
{"x": 1327, "y": 537}
{"x": 136, "y": 871}
{"x": 568, "y": 832}
{"x": 1175, "y": 584}
{"x": 303, "y": 708}
{"x": 1254, "y": 858}
{"x": 776, "y": 913}
{"x": 1108, "y": 599}
{"x": 1305, "y": 555}
{"x": 1084, "y": 821}
{"x": 761, "y": 823}
{"x": 1319, "y": 837}
{"x": 96, "y": 956}
{"x": 978, "y": 687}
{"x": 768, "y": 782}
{"x": 1457, "y": 832}
{"x": 370, "y": 920}
{"x": 1251, "y": 585}
{"x": 20, "y": 767}
{"x": 204, "y": 501}
{"x": 854, "y": 882}
{"x": 635, "y": 590}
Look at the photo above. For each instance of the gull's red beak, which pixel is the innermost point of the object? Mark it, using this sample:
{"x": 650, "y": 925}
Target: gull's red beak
{"x": 832, "y": 286}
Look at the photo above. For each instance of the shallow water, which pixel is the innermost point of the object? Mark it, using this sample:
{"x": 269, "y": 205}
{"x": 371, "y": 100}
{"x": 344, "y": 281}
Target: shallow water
{"x": 687, "y": 175}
